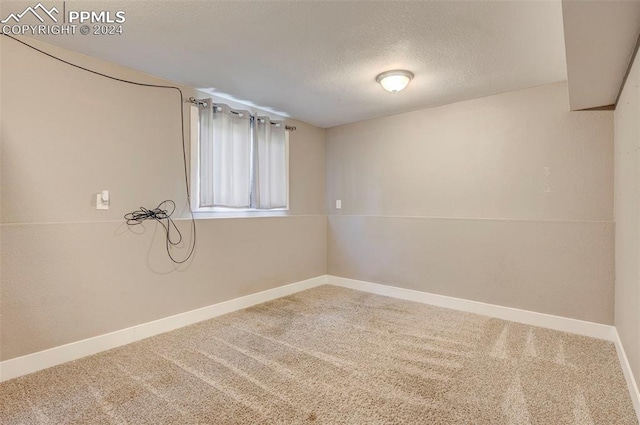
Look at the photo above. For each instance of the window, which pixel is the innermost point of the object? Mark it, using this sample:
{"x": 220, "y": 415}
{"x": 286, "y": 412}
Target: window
{"x": 239, "y": 161}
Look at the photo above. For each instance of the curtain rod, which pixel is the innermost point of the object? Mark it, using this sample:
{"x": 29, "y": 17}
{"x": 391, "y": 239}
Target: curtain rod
{"x": 200, "y": 102}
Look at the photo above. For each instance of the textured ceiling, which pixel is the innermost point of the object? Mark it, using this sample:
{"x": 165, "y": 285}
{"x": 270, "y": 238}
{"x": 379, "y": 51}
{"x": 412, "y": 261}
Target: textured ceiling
{"x": 600, "y": 37}
{"x": 317, "y": 61}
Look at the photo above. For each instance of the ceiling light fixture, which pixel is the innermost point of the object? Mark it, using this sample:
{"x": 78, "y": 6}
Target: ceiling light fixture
{"x": 395, "y": 80}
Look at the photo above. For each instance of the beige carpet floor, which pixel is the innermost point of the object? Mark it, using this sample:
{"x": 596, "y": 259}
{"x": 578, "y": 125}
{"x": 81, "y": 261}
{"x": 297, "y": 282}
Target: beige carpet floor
{"x": 334, "y": 356}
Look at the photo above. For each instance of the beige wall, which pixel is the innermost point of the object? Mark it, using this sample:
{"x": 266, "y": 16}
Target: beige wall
{"x": 505, "y": 199}
{"x": 70, "y": 271}
{"x": 627, "y": 217}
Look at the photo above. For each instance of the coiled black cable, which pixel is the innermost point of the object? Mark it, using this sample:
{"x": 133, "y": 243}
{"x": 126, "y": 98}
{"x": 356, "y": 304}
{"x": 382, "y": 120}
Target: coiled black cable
{"x": 157, "y": 213}
{"x": 162, "y": 216}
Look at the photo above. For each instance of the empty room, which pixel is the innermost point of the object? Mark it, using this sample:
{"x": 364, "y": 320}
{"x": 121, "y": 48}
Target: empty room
{"x": 330, "y": 212}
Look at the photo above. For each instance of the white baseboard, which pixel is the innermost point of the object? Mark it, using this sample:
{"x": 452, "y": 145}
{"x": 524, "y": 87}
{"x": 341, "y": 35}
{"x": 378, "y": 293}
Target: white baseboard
{"x": 564, "y": 324}
{"x": 30, "y": 363}
{"x": 628, "y": 373}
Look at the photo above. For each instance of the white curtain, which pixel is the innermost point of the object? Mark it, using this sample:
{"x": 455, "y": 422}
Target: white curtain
{"x": 225, "y": 157}
{"x": 271, "y": 154}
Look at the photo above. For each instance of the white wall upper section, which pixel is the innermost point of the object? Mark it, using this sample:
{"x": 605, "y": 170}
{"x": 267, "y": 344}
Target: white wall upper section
{"x": 317, "y": 61}
{"x": 519, "y": 155}
{"x": 68, "y": 134}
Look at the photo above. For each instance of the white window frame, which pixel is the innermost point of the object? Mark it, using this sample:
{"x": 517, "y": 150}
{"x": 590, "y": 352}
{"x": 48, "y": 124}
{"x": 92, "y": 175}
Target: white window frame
{"x": 194, "y": 126}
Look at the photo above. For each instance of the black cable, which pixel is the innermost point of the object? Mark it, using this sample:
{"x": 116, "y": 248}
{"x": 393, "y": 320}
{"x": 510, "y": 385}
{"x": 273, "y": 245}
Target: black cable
{"x": 157, "y": 213}
{"x": 162, "y": 216}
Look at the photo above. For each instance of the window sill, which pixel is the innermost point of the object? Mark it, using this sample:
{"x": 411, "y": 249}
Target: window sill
{"x": 241, "y": 213}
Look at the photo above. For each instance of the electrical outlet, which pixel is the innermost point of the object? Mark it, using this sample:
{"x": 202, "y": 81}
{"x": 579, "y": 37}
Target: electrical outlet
{"x": 338, "y": 204}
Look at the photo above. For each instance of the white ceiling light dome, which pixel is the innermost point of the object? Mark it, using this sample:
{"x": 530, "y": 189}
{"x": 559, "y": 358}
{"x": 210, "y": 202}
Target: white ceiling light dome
{"x": 394, "y": 81}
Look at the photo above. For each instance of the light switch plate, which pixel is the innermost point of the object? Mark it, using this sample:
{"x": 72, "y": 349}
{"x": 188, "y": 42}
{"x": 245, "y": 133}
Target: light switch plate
{"x": 101, "y": 205}
{"x": 338, "y": 204}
